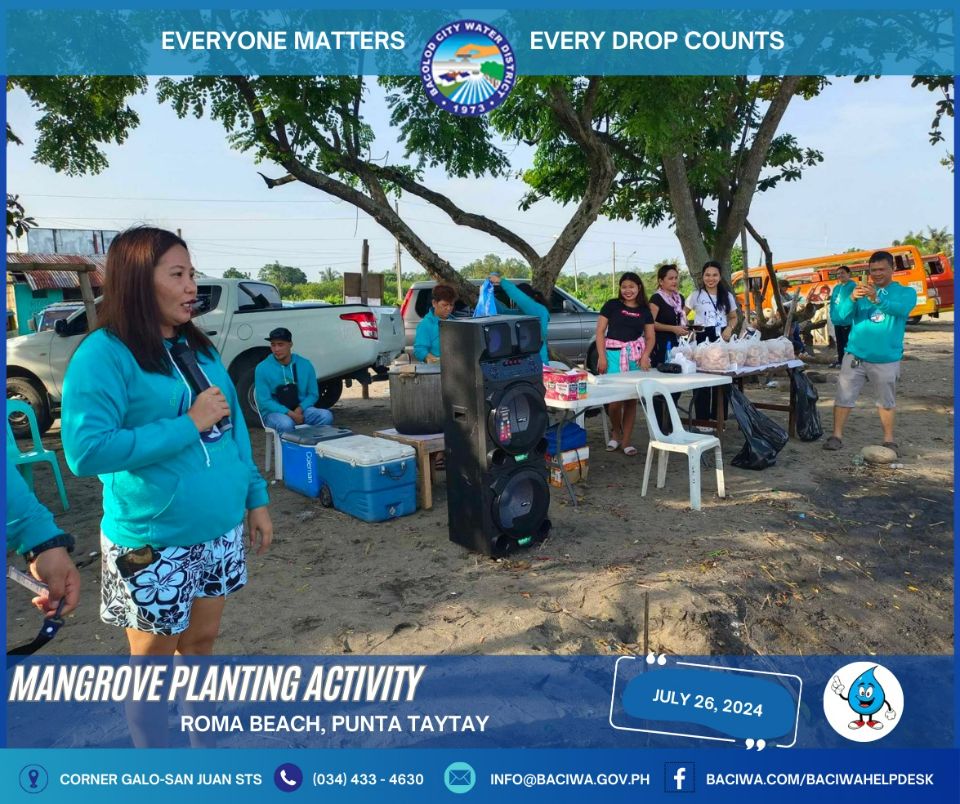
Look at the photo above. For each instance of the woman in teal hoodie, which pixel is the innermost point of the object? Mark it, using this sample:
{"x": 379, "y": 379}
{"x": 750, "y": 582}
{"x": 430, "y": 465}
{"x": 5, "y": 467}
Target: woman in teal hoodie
{"x": 178, "y": 492}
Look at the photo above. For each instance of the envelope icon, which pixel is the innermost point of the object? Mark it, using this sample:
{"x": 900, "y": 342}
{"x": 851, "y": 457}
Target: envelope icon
{"x": 457, "y": 777}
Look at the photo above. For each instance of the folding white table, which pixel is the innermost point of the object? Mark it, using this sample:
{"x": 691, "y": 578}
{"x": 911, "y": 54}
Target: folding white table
{"x": 622, "y": 387}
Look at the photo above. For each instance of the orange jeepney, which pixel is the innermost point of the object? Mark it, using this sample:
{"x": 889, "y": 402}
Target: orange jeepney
{"x": 818, "y": 276}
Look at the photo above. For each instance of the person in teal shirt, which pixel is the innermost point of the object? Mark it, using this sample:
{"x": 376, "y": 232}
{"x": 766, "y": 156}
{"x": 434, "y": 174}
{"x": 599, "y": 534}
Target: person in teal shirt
{"x": 841, "y": 331}
{"x": 285, "y": 385}
{"x": 531, "y": 303}
{"x": 178, "y": 491}
{"x": 877, "y": 316}
{"x": 426, "y": 342}
{"x": 32, "y": 532}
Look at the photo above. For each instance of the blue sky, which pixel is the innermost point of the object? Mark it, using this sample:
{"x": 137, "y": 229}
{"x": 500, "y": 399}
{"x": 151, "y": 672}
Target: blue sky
{"x": 880, "y": 178}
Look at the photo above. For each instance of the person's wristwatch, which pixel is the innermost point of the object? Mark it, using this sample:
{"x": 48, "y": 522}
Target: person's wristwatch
{"x": 60, "y": 540}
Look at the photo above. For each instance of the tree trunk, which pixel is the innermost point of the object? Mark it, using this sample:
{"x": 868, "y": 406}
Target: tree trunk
{"x": 685, "y": 214}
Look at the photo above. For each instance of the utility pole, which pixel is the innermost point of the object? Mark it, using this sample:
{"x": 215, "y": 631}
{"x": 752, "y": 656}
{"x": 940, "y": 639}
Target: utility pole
{"x": 613, "y": 271}
{"x": 396, "y": 208}
{"x": 364, "y": 265}
{"x": 576, "y": 279}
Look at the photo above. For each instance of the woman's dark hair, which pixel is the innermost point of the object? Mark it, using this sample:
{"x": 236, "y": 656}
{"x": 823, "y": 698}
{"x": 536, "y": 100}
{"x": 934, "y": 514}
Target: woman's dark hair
{"x": 665, "y": 269}
{"x": 723, "y": 289}
{"x": 129, "y": 308}
{"x": 444, "y": 293}
{"x": 630, "y": 276}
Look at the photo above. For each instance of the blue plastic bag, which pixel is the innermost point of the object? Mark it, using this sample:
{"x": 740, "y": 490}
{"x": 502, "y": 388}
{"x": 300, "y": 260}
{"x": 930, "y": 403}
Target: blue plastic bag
{"x": 486, "y": 304}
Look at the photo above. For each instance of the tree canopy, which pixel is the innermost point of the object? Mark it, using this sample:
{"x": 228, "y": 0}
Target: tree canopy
{"x": 278, "y": 274}
{"x": 235, "y": 273}
{"x": 933, "y": 242}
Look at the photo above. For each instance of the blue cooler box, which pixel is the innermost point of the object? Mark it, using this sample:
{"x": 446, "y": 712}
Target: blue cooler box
{"x": 300, "y": 458}
{"x": 372, "y": 479}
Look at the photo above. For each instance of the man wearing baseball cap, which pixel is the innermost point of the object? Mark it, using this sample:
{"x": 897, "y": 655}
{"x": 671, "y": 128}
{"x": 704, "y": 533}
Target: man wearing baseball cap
{"x": 286, "y": 387}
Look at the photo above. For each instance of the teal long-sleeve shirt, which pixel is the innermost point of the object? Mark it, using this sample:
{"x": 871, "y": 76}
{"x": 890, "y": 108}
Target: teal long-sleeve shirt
{"x": 427, "y": 338}
{"x": 164, "y": 483}
{"x": 28, "y": 522}
{"x": 876, "y": 333}
{"x": 528, "y": 306}
{"x": 271, "y": 373}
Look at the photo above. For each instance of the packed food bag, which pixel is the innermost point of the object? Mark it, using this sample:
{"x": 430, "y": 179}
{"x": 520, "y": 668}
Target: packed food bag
{"x": 714, "y": 356}
{"x": 781, "y": 350}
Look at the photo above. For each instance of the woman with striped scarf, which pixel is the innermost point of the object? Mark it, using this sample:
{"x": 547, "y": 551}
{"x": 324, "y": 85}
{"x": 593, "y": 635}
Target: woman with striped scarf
{"x": 625, "y": 340}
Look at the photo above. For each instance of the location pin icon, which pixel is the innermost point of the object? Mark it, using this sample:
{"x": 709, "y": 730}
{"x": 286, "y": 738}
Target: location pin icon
{"x": 33, "y": 774}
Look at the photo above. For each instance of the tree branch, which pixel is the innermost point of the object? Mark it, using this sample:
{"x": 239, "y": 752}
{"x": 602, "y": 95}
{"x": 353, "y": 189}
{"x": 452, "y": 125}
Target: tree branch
{"x": 749, "y": 175}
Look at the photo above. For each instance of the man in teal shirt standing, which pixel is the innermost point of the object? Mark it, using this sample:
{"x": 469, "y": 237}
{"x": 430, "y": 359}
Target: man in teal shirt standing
{"x": 877, "y": 316}
{"x": 285, "y": 385}
{"x": 841, "y": 331}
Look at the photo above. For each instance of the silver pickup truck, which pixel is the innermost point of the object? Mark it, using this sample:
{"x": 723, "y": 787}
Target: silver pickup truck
{"x": 345, "y": 342}
{"x": 571, "y": 334}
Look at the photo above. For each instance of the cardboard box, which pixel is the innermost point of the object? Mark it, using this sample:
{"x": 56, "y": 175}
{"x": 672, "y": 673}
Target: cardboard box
{"x": 576, "y": 465}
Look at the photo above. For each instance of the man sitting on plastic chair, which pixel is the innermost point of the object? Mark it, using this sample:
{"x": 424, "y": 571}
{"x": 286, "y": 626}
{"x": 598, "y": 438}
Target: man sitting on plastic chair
{"x": 693, "y": 444}
{"x": 286, "y": 387}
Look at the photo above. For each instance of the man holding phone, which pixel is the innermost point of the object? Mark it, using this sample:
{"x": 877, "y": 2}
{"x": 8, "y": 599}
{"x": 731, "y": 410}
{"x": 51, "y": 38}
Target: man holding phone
{"x": 876, "y": 313}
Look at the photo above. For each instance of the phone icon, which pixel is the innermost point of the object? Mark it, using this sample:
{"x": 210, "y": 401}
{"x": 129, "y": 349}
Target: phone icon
{"x": 288, "y": 777}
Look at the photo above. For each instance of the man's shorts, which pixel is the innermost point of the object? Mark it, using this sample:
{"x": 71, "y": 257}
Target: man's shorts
{"x": 158, "y": 598}
{"x": 882, "y": 376}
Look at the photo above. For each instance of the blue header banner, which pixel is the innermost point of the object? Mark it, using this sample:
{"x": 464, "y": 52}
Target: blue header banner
{"x": 566, "y": 42}
{"x": 508, "y": 702}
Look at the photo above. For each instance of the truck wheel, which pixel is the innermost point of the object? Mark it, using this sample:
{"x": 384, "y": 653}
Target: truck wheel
{"x": 243, "y": 375}
{"x": 26, "y": 390}
{"x": 330, "y": 391}
{"x": 914, "y": 319}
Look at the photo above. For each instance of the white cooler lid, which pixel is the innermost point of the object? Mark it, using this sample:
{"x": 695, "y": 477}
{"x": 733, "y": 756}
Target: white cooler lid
{"x": 361, "y": 450}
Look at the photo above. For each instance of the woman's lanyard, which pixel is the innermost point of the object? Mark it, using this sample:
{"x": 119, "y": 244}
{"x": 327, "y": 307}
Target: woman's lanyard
{"x": 715, "y": 308}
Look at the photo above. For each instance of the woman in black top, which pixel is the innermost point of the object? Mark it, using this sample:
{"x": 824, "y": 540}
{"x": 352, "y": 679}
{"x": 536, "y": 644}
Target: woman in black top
{"x": 666, "y": 307}
{"x": 670, "y": 323}
{"x": 625, "y": 340}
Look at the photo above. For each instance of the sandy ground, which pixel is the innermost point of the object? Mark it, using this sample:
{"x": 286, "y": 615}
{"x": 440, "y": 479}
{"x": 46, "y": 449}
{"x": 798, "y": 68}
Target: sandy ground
{"x": 816, "y": 555}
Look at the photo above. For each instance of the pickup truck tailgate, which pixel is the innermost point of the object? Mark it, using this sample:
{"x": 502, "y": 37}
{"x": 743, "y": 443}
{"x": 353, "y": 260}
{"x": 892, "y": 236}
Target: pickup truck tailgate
{"x": 391, "y": 333}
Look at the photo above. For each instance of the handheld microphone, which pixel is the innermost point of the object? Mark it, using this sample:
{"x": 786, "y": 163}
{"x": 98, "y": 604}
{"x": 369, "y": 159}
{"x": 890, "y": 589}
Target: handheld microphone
{"x": 186, "y": 360}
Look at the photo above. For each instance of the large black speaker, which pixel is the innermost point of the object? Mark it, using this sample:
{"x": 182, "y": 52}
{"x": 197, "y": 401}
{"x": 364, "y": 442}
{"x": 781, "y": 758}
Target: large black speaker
{"x": 495, "y": 420}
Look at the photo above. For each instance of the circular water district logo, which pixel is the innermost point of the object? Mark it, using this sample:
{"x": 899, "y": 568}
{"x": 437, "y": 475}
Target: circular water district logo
{"x": 468, "y": 68}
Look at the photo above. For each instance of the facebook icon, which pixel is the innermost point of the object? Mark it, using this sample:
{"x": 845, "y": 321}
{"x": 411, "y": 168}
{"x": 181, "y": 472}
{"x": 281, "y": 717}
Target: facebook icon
{"x": 679, "y": 777}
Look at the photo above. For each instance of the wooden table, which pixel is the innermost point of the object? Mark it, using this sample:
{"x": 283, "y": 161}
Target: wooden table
{"x": 785, "y": 368}
{"x": 426, "y": 446}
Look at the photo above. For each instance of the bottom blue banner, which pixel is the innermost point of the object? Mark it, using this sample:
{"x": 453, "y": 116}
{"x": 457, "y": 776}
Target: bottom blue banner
{"x": 478, "y": 775}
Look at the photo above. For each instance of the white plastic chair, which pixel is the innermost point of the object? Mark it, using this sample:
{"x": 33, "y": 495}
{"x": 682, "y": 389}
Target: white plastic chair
{"x": 272, "y": 448}
{"x": 692, "y": 444}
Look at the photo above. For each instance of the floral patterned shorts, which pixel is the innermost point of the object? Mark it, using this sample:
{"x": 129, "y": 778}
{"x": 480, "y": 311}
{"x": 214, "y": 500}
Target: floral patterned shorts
{"x": 157, "y": 599}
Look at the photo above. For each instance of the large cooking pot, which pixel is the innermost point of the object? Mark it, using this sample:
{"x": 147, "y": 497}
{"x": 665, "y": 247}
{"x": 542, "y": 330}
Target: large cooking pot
{"x": 416, "y": 403}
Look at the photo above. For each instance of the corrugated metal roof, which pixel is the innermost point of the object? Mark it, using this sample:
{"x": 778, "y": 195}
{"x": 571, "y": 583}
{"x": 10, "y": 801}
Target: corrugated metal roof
{"x": 99, "y": 260}
{"x": 41, "y": 280}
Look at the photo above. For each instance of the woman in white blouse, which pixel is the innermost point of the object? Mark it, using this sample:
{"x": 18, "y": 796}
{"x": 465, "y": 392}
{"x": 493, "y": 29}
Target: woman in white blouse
{"x": 715, "y": 316}
{"x": 714, "y": 306}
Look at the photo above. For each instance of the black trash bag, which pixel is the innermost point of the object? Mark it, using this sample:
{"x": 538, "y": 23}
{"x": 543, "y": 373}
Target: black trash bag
{"x": 758, "y": 450}
{"x": 806, "y": 396}
{"x": 768, "y": 428}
